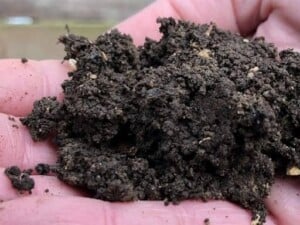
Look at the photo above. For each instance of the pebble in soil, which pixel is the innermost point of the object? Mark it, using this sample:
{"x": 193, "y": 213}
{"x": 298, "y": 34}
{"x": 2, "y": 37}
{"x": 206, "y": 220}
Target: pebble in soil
{"x": 200, "y": 114}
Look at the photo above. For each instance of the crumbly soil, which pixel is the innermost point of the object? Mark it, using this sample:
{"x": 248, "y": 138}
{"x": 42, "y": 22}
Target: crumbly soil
{"x": 42, "y": 169}
{"x": 200, "y": 114}
{"x": 20, "y": 180}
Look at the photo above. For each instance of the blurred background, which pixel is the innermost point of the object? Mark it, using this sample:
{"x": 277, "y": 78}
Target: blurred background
{"x": 30, "y": 28}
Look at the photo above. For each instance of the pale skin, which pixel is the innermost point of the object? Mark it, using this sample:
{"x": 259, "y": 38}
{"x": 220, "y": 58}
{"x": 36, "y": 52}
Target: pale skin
{"x": 22, "y": 84}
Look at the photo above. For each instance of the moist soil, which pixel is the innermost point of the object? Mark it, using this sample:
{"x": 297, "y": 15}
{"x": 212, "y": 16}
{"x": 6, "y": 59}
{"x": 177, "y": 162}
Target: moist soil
{"x": 200, "y": 114}
{"x": 42, "y": 169}
{"x": 20, "y": 180}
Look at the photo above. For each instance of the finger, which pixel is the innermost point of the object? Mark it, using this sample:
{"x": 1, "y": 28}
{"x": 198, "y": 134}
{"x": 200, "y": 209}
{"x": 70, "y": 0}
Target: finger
{"x": 284, "y": 201}
{"x": 54, "y": 211}
{"x": 278, "y": 20}
{"x": 282, "y": 26}
{"x": 236, "y": 15}
{"x": 143, "y": 24}
{"x": 22, "y": 84}
{"x": 18, "y": 148}
{"x": 44, "y": 185}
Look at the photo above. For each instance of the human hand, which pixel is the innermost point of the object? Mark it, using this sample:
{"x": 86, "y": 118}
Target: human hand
{"x": 21, "y": 84}
{"x": 276, "y": 20}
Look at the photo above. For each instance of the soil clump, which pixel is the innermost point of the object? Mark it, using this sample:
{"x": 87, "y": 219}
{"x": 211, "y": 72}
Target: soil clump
{"x": 200, "y": 114}
{"x": 20, "y": 180}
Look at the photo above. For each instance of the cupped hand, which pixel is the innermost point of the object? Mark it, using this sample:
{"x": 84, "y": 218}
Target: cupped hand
{"x": 22, "y": 84}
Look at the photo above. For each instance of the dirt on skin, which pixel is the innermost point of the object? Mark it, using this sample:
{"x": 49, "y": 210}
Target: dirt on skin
{"x": 206, "y": 221}
{"x": 24, "y": 60}
{"x": 200, "y": 114}
{"x": 20, "y": 180}
{"x": 42, "y": 169}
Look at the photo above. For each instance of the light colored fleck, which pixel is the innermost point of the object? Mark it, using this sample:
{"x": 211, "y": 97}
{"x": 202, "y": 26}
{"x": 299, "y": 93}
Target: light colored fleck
{"x": 293, "y": 171}
{"x": 207, "y": 33}
{"x": 93, "y": 76}
{"x": 254, "y": 188}
{"x": 72, "y": 63}
{"x": 103, "y": 55}
{"x": 118, "y": 111}
{"x": 194, "y": 45}
{"x": 250, "y": 75}
{"x": 254, "y": 69}
{"x": 252, "y": 72}
{"x": 204, "y": 139}
{"x": 256, "y": 221}
{"x": 151, "y": 83}
{"x": 266, "y": 94}
{"x": 205, "y": 53}
{"x": 245, "y": 40}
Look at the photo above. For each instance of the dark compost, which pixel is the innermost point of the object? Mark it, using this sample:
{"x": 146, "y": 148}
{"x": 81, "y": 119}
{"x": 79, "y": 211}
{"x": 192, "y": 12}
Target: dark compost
{"x": 200, "y": 114}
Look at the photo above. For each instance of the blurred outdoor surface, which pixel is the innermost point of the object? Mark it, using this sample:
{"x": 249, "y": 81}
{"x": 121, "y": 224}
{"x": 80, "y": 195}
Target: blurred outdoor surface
{"x": 30, "y": 28}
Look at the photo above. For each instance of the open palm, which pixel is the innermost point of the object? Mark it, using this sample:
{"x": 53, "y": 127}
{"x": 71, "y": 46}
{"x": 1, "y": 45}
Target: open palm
{"x": 21, "y": 84}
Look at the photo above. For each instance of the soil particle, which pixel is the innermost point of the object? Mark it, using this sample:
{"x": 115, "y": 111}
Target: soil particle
{"x": 46, "y": 190}
{"x": 206, "y": 221}
{"x": 24, "y": 60}
{"x": 293, "y": 171}
{"x": 256, "y": 220}
{"x": 28, "y": 171}
{"x": 11, "y": 118}
{"x": 42, "y": 169}
{"x": 200, "y": 114}
{"x": 20, "y": 180}
{"x": 15, "y": 126}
